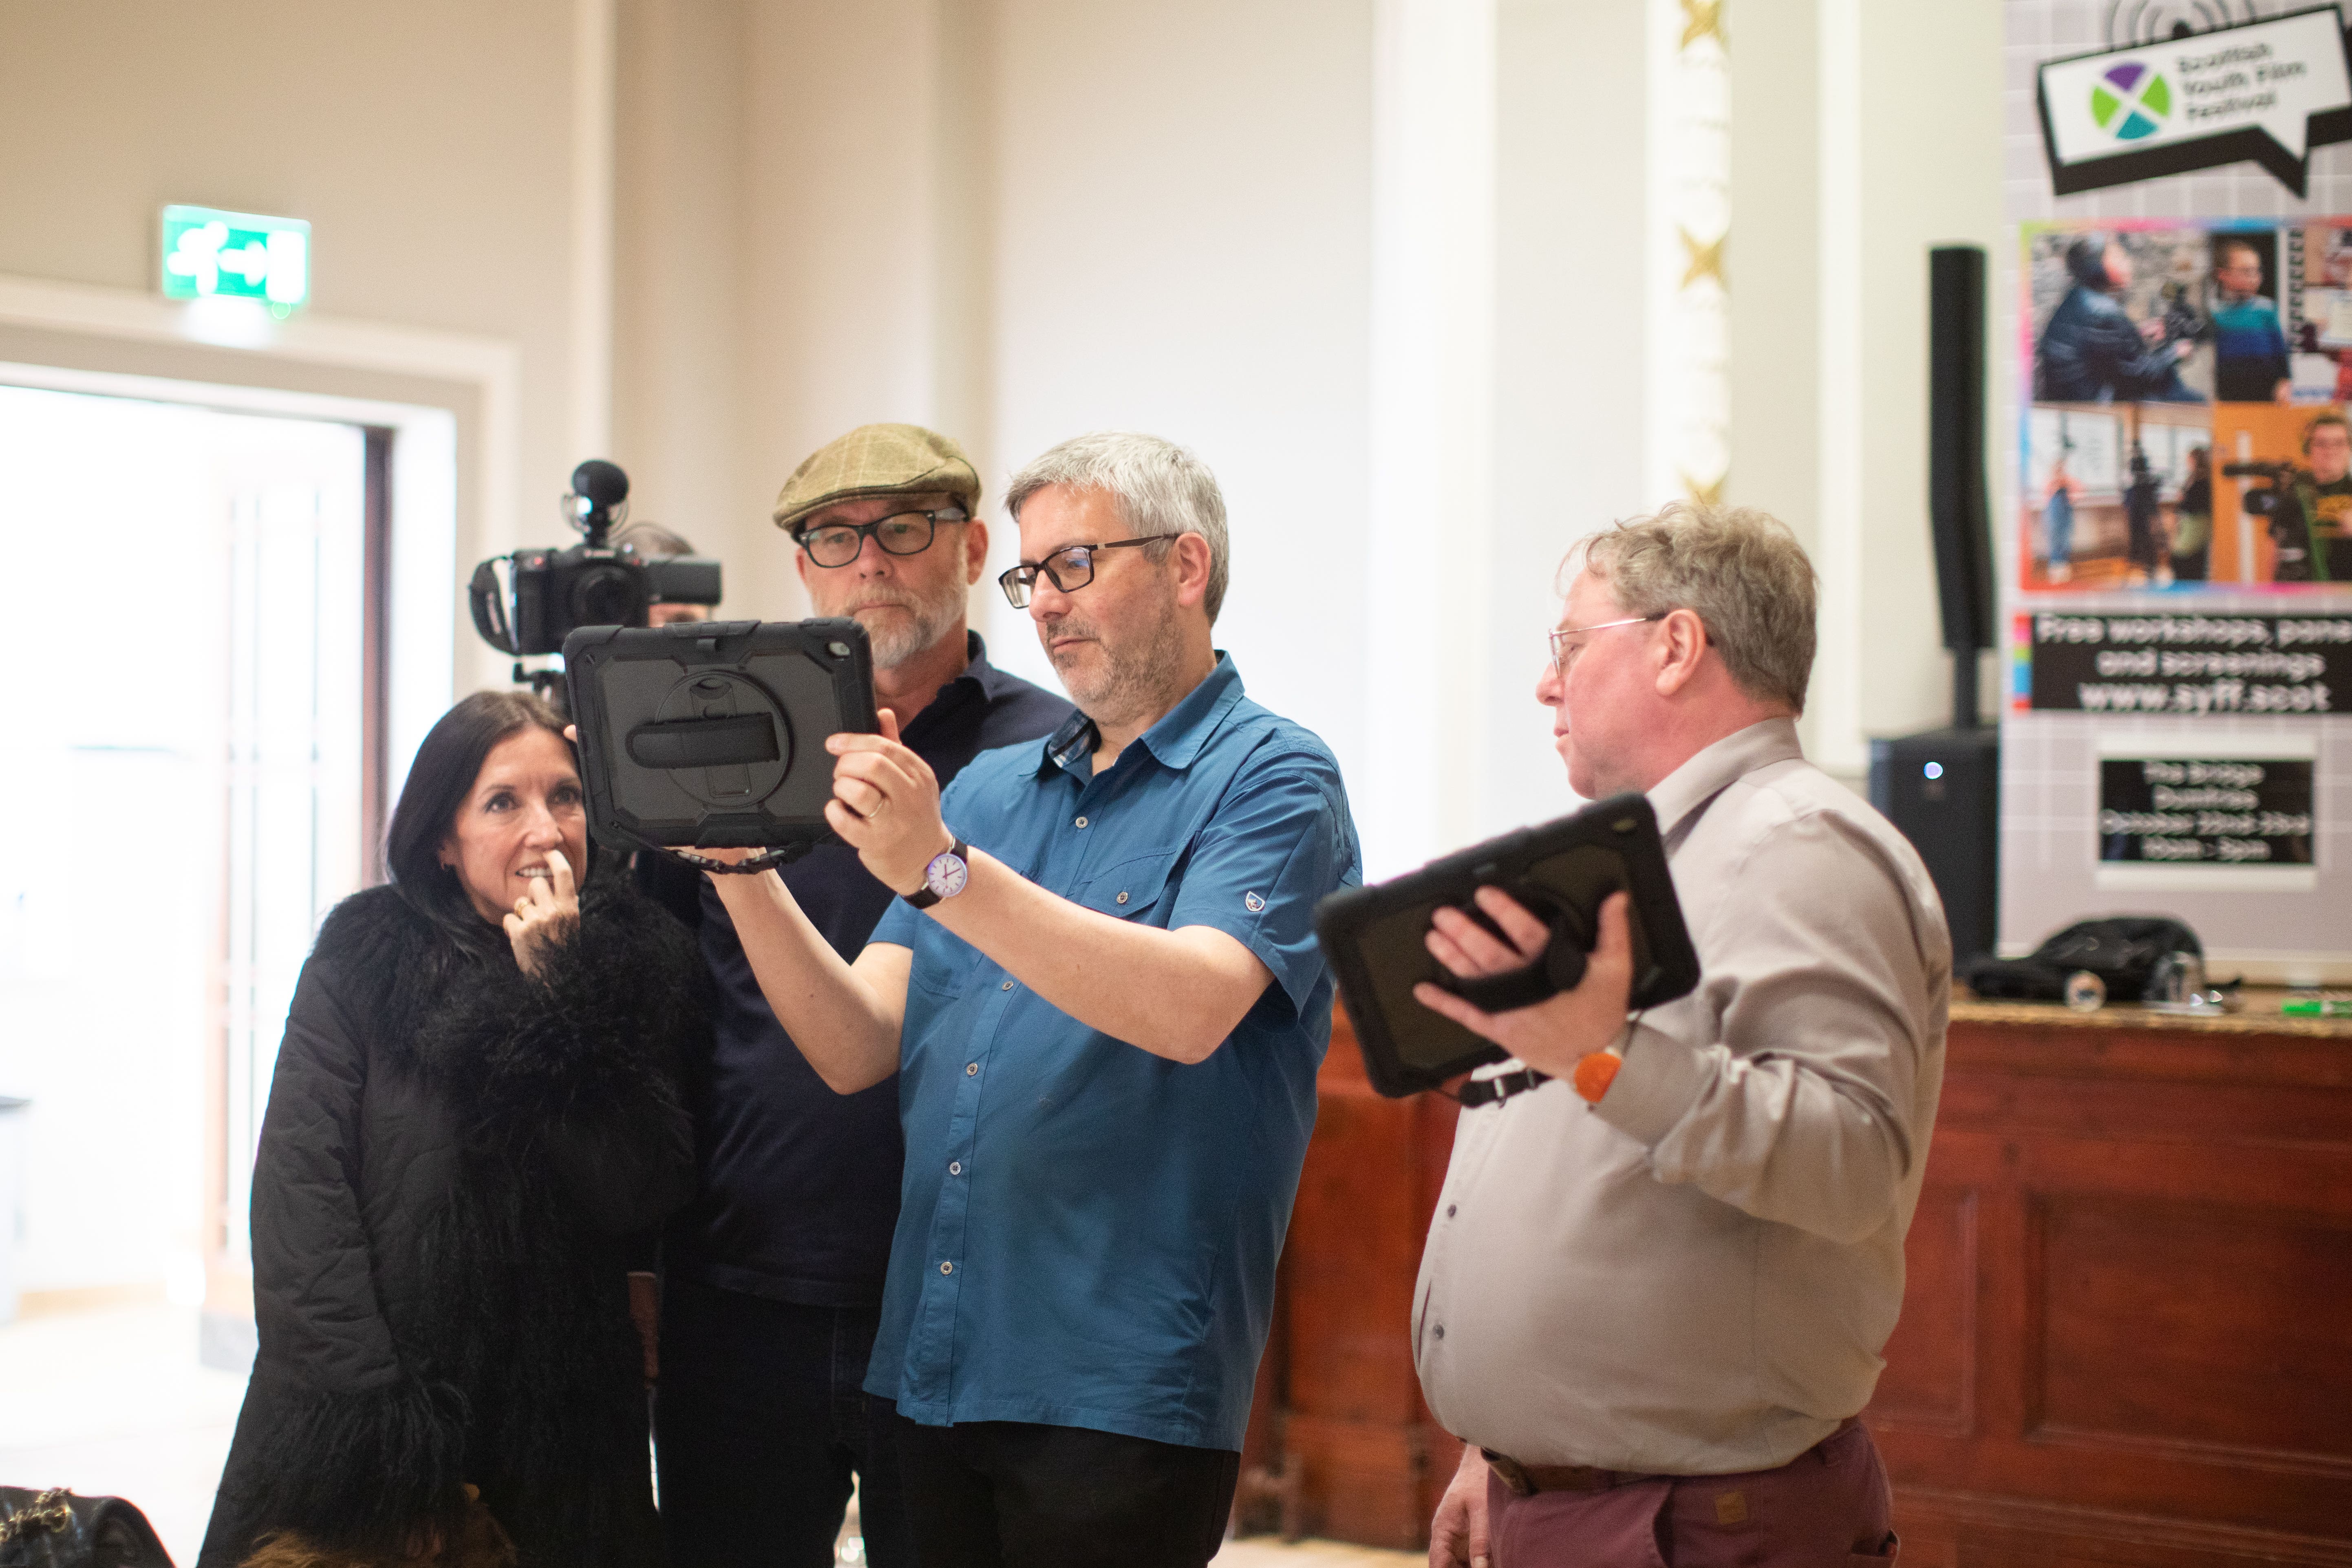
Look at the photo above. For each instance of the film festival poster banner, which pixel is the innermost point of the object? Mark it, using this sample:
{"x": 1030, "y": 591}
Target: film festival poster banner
{"x": 2184, "y": 425}
{"x": 2183, "y": 431}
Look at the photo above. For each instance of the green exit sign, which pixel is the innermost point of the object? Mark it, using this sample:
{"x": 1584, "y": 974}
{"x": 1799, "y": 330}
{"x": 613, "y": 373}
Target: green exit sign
{"x": 237, "y": 255}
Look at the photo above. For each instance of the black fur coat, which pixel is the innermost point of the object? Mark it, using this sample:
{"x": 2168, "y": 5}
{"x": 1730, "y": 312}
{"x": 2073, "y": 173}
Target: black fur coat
{"x": 453, "y": 1161}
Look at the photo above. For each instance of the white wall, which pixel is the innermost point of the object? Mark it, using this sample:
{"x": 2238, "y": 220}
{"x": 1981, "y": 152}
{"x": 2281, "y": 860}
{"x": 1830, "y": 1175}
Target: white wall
{"x": 679, "y": 268}
{"x": 1568, "y": 351}
{"x": 1179, "y": 245}
{"x": 429, "y": 146}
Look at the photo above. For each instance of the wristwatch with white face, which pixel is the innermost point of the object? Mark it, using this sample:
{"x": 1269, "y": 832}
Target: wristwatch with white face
{"x": 944, "y": 878}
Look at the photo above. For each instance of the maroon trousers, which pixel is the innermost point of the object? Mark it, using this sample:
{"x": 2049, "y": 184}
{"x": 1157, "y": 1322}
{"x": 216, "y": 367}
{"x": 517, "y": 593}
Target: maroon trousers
{"x": 1827, "y": 1508}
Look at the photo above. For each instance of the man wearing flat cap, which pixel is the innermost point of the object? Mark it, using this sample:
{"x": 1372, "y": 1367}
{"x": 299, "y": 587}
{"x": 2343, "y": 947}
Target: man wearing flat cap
{"x": 772, "y": 1277}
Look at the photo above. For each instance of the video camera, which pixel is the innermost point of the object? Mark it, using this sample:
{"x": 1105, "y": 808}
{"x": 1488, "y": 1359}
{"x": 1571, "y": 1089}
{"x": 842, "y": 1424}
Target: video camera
{"x": 2184, "y": 321}
{"x": 2275, "y": 501}
{"x": 528, "y": 603}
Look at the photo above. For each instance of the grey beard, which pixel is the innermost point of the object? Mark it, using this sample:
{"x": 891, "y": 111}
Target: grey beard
{"x": 923, "y": 624}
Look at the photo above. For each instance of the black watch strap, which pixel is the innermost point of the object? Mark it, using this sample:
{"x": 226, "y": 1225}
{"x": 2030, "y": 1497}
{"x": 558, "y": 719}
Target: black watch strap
{"x": 1494, "y": 1090}
{"x": 923, "y": 898}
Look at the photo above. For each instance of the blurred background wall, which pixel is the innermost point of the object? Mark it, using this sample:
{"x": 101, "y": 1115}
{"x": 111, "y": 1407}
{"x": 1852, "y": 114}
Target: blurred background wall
{"x": 1018, "y": 220}
{"x": 1386, "y": 264}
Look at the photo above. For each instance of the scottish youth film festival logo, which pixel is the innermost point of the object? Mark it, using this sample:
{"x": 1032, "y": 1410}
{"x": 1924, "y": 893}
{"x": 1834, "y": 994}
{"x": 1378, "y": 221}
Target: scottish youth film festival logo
{"x": 2262, "y": 91}
{"x": 2129, "y": 100}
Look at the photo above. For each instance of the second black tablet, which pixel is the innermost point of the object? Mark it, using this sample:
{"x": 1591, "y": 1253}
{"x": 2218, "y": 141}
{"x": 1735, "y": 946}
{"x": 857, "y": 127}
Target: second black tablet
{"x": 1561, "y": 871}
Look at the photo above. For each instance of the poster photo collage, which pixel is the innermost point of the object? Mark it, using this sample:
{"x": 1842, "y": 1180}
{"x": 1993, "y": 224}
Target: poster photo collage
{"x": 2186, "y": 424}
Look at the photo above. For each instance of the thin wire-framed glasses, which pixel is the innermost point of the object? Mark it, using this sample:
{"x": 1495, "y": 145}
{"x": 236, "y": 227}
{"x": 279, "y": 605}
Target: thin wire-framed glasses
{"x": 1564, "y": 652}
{"x": 1069, "y": 569}
{"x": 901, "y": 533}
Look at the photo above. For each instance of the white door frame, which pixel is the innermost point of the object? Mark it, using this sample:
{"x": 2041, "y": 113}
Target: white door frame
{"x": 421, "y": 671}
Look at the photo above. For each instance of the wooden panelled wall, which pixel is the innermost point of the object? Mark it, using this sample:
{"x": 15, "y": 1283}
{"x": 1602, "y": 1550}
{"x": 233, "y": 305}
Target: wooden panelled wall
{"x": 2127, "y": 1335}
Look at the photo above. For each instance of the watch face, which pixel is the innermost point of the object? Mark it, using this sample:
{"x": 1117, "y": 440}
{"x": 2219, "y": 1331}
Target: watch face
{"x": 947, "y": 874}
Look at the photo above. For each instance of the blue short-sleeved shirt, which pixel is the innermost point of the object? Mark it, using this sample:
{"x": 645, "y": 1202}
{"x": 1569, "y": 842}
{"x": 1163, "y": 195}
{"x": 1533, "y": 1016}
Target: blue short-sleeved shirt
{"x": 1087, "y": 1232}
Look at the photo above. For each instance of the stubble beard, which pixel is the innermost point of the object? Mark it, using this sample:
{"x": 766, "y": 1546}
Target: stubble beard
{"x": 1134, "y": 675}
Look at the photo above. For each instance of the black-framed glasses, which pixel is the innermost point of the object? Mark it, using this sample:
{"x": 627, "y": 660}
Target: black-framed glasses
{"x": 1564, "y": 652}
{"x": 901, "y": 533}
{"x": 1069, "y": 569}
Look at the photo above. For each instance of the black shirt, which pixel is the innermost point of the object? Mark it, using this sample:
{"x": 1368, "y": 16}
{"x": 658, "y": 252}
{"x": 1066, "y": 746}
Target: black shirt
{"x": 799, "y": 1185}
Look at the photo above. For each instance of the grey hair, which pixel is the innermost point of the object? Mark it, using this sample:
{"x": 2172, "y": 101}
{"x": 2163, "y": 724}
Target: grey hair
{"x": 1162, "y": 490}
{"x": 1740, "y": 569}
{"x": 652, "y": 540}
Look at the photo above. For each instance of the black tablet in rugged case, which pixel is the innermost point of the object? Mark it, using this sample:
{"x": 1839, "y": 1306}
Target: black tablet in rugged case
{"x": 1561, "y": 871}
{"x": 712, "y": 733}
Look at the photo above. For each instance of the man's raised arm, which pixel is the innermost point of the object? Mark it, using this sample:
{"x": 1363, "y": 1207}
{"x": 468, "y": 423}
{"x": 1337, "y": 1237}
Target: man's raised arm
{"x": 844, "y": 1017}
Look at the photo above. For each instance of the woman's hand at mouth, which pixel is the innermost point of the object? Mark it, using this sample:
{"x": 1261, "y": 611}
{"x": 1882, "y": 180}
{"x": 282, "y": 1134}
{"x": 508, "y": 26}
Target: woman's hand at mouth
{"x": 546, "y": 914}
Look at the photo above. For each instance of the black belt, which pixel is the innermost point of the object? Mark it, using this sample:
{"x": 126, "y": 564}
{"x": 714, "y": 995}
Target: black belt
{"x": 1494, "y": 1090}
{"x": 1526, "y": 1480}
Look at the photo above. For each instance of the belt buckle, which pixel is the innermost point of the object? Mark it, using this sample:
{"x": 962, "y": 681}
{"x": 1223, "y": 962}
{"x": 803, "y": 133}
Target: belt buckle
{"x": 1513, "y": 1475}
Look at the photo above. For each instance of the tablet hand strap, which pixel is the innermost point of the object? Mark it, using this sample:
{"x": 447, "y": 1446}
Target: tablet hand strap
{"x": 1561, "y": 968}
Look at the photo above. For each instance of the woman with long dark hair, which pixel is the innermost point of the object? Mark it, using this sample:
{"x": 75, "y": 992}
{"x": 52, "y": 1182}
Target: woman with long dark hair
{"x": 474, "y": 1110}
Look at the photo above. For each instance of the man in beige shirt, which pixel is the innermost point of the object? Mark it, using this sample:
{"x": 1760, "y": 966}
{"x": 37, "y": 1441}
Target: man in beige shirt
{"x": 1658, "y": 1281}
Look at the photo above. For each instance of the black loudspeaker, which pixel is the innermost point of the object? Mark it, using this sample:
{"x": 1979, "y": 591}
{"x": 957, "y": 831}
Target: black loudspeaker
{"x": 1959, "y": 508}
{"x": 1941, "y": 789}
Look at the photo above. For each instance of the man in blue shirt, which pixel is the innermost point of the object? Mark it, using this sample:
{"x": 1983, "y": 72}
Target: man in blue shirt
{"x": 772, "y": 1276}
{"x": 1103, "y": 997}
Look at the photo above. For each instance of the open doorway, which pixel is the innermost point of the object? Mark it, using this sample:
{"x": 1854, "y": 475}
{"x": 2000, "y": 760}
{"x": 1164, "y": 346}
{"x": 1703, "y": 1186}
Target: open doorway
{"x": 195, "y": 775}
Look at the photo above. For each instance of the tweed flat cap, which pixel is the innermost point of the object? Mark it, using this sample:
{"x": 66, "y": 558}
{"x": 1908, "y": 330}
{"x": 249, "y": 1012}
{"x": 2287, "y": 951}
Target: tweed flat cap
{"x": 878, "y": 461}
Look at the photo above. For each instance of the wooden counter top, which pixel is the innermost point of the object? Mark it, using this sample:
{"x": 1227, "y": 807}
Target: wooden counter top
{"x": 2260, "y": 1016}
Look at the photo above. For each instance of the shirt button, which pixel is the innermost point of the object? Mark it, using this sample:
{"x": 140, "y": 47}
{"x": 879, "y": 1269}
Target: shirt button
{"x": 1439, "y": 1330}
{"x": 950, "y": 1268}
{"x": 955, "y": 1167}
{"x": 971, "y": 1069}
{"x": 1449, "y": 1211}
{"x": 1122, "y": 898}
{"x": 1081, "y": 822}
{"x": 1006, "y": 987}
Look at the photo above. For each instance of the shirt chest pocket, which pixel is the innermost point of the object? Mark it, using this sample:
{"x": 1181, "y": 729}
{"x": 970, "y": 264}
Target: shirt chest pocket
{"x": 943, "y": 962}
{"x": 1142, "y": 888}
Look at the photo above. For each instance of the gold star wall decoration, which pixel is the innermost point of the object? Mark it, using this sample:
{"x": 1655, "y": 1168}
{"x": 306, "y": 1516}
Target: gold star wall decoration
{"x": 1703, "y": 260}
{"x": 1703, "y": 20}
{"x": 1710, "y": 494}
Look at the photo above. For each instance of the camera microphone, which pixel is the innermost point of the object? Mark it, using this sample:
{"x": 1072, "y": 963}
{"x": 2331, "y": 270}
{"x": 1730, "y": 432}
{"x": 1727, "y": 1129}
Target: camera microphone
{"x": 599, "y": 490}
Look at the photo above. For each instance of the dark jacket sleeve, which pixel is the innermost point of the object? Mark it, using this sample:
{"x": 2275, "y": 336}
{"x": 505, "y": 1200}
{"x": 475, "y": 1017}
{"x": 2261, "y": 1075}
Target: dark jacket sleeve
{"x": 579, "y": 1065}
{"x": 358, "y": 1452}
{"x": 2092, "y": 350}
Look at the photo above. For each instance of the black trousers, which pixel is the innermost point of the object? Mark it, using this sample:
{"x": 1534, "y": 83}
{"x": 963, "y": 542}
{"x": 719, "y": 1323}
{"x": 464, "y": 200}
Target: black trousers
{"x": 759, "y": 1420}
{"x": 1007, "y": 1494}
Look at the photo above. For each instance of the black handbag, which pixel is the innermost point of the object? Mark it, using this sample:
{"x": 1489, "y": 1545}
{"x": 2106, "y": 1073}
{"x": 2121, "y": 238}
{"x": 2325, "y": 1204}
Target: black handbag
{"x": 2123, "y": 951}
{"x": 57, "y": 1529}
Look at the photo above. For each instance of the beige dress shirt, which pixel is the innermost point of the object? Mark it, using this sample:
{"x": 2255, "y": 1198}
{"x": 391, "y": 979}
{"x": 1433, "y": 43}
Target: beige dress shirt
{"x": 1695, "y": 1276}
